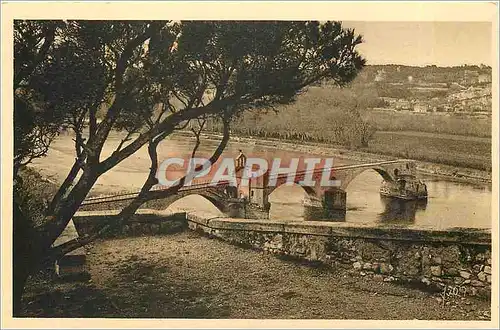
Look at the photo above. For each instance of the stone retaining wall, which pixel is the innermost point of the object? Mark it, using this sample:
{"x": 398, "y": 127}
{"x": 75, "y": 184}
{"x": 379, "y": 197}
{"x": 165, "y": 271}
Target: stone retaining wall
{"x": 144, "y": 222}
{"x": 458, "y": 259}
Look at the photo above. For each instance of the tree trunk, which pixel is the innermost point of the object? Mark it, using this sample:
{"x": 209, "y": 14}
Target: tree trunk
{"x": 31, "y": 247}
{"x": 64, "y": 211}
{"x": 70, "y": 178}
{"x": 20, "y": 275}
{"x": 23, "y": 248}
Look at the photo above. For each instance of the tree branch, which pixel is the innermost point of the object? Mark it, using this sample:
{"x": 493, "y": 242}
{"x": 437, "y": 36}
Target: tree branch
{"x": 168, "y": 125}
{"x": 144, "y": 195}
{"x": 96, "y": 143}
{"x": 23, "y": 73}
{"x": 63, "y": 189}
{"x": 125, "y": 139}
{"x": 197, "y": 134}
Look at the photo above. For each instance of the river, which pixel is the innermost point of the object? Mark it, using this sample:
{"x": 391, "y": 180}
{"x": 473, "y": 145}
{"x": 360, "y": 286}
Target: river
{"x": 450, "y": 204}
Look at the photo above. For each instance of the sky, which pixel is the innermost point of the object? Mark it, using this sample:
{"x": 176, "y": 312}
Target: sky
{"x": 425, "y": 43}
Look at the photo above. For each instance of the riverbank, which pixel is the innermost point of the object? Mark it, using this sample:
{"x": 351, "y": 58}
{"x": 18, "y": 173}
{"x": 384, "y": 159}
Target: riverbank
{"x": 448, "y": 172}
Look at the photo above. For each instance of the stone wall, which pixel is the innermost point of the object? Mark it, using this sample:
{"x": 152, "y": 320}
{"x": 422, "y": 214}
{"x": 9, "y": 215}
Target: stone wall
{"x": 434, "y": 264}
{"x": 457, "y": 259}
{"x": 144, "y": 222}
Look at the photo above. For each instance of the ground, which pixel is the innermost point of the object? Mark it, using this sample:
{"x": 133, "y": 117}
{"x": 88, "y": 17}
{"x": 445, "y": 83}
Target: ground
{"x": 186, "y": 275}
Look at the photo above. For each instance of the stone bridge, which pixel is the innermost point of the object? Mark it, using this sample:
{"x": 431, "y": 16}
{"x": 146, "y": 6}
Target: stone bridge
{"x": 327, "y": 202}
{"x": 233, "y": 201}
{"x": 222, "y": 196}
{"x": 322, "y": 203}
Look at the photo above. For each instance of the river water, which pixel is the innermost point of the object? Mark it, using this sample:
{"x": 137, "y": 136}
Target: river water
{"x": 450, "y": 204}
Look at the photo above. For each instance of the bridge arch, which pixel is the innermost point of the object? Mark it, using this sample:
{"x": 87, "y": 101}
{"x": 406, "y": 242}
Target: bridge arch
{"x": 387, "y": 174}
{"x": 208, "y": 200}
{"x": 310, "y": 192}
{"x": 291, "y": 202}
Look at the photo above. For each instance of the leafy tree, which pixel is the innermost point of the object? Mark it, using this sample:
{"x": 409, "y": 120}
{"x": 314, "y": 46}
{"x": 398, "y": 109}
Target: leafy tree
{"x": 148, "y": 78}
{"x": 331, "y": 115}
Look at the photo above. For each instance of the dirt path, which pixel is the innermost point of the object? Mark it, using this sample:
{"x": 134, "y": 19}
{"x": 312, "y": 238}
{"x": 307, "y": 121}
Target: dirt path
{"x": 188, "y": 276}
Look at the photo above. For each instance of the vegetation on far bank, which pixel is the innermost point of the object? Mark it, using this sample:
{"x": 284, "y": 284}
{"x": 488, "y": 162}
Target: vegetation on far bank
{"x": 435, "y": 149}
{"x": 344, "y": 117}
{"x": 430, "y": 123}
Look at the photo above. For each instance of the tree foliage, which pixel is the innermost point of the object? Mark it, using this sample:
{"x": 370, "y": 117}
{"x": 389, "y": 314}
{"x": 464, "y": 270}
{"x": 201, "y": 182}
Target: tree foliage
{"x": 150, "y": 78}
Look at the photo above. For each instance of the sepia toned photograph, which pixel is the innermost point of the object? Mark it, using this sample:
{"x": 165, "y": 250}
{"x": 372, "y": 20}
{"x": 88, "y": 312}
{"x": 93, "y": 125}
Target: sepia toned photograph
{"x": 174, "y": 165}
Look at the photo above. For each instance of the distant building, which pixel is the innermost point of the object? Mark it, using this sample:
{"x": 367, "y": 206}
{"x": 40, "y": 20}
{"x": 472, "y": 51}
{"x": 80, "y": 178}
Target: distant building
{"x": 410, "y": 79}
{"x": 420, "y": 107}
{"x": 401, "y": 104}
{"x": 381, "y": 75}
{"x": 484, "y": 78}
{"x": 471, "y": 73}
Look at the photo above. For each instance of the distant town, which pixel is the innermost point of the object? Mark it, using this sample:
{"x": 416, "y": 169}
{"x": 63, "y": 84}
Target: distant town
{"x": 464, "y": 90}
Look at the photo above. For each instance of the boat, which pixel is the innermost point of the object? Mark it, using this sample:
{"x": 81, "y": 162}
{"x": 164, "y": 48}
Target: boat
{"x": 406, "y": 187}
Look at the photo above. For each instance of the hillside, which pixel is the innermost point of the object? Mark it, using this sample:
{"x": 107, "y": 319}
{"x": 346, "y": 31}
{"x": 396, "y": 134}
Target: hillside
{"x": 364, "y": 115}
{"x": 455, "y": 90}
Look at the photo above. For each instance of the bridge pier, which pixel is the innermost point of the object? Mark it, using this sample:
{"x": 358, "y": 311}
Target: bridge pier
{"x": 331, "y": 206}
{"x": 335, "y": 199}
{"x": 236, "y": 209}
{"x": 334, "y": 204}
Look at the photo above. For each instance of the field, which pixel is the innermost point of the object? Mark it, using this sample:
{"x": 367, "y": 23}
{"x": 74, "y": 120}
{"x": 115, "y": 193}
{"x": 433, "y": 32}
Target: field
{"x": 450, "y": 140}
{"x": 458, "y": 125}
{"x": 455, "y": 150}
